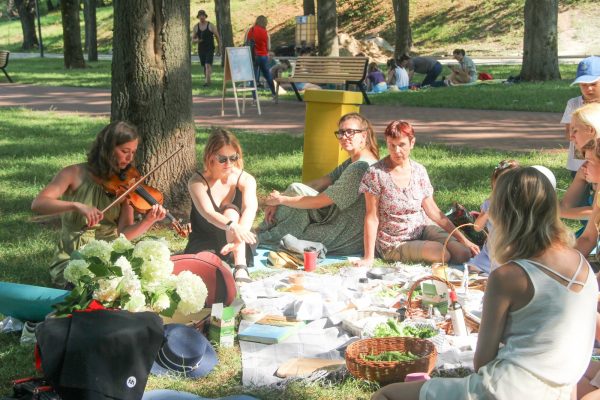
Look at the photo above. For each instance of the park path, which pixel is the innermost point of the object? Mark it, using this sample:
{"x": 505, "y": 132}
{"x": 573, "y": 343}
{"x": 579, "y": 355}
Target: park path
{"x": 501, "y": 130}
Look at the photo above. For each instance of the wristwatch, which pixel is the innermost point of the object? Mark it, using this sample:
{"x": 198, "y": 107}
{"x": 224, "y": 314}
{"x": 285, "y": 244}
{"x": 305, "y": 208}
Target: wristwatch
{"x": 228, "y": 226}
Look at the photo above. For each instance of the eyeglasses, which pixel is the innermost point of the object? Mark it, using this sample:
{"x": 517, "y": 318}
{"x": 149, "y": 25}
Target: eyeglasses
{"x": 223, "y": 159}
{"x": 347, "y": 133}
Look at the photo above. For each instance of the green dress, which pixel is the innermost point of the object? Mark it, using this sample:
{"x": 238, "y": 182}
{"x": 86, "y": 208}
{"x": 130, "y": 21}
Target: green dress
{"x": 73, "y": 234}
{"x": 338, "y": 226}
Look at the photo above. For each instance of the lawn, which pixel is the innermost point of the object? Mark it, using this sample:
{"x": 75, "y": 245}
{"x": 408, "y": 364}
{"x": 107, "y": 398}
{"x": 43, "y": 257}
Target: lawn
{"x": 35, "y": 145}
{"x": 544, "y": 96}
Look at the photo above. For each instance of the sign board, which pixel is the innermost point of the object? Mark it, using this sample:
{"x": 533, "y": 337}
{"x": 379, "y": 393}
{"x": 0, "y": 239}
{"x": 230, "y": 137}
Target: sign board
{"x": 239, "y": 69}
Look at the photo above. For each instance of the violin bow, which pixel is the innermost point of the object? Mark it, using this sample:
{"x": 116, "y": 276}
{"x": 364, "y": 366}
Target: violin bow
{"x": 139, "y": 181}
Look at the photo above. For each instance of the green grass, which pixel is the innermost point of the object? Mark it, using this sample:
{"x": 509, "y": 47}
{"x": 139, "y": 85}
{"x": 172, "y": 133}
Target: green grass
{"x": 543, "y": 96}
{"x": 35, "y": 145}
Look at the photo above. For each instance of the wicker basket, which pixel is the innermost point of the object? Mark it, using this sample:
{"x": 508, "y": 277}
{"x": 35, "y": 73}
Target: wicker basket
{"x": 386, "y": 372}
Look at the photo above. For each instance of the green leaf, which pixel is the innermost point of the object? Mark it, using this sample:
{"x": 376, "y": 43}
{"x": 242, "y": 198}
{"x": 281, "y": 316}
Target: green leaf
{"x": 98, "y": 268}
{"x": 116, "y": 271}
{"x": 136, "y": 265}
{"x": 175, "y": 299}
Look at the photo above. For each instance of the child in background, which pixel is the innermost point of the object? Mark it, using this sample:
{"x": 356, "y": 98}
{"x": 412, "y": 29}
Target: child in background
{"x": 482, "y": 260}
{"x": 376, "y": 79}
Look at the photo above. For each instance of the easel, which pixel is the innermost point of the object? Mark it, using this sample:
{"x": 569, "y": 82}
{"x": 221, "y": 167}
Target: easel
{"x": 238, "y": 67}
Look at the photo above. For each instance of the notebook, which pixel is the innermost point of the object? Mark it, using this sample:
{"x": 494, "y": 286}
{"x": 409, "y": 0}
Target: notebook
{"x": 270, "y": 329}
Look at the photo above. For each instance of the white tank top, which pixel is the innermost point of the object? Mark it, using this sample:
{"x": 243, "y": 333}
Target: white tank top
{"x": 553, "y": 335}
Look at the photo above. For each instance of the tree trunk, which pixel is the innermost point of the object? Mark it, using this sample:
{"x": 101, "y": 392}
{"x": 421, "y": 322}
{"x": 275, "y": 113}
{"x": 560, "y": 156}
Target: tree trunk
{"x": 50, "y": 6}
{"x": 223, "y": 16}
{"x": 309, "y": 7}
{"x": 152, "y": 88}
{"x": 73, "y": 55}
{"x": 540, "y": 43}
{"x": 26, "y": 10}
{"x": 327, "y": 28}
{"x": 86, "y": 25}
{"x": 403, "y": 34}
{"x": 91, "y": 31}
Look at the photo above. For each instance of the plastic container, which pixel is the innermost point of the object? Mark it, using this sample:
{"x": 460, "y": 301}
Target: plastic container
{"x": 417, "y": 377}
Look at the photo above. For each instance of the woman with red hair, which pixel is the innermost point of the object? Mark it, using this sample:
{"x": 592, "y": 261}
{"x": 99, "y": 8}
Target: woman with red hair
{"x": 400, "y": 209}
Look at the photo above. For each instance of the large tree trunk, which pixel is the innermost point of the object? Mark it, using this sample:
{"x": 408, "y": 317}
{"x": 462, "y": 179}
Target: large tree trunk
{"x": 223, "y": 15}
{"x": 309, "y": 7}
{"x": 50, "y": 6}
{"x": 403, "y": 34}
{"x": 73, "y": 55}
{"x": 540, "y": 43}
{"x": 91, "y": 31}
{"x": 26, "y": 9}
{"x": 327, "y": 28}
{"x": 152, "y": 88}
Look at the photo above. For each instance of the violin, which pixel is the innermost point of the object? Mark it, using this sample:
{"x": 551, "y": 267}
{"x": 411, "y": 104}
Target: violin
{"x": 142, "y": 197}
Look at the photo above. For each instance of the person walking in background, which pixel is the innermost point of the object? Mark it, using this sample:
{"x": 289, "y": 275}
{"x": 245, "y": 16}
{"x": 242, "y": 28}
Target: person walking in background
{"x": 465, "y": 72}
{"x": 204, "y": 35}
{"x": 428, "y": 66}
{"x": 262, "y": 44}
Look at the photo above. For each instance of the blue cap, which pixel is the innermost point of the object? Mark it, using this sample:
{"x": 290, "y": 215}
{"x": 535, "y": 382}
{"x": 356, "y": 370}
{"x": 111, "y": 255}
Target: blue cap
{"x": 588, "y": 70}
{"x": 185, "y": 352}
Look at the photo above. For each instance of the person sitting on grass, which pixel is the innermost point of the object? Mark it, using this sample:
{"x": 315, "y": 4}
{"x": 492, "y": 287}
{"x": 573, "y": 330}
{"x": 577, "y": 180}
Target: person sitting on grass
{"x": 402, "y": 221}
{"x": 224, "y": 204}
{"x": 428, "y": 66}
{"x": 376, "y": 79}
{"x": 396, "y": 76}
{"x": 465, "y": 71}
{"x": 540, "y": 304}
{"x": 329, "y": 210}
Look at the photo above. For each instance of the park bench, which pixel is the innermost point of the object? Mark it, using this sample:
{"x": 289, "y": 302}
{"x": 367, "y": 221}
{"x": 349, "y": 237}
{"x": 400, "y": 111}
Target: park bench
{"x": 335, "y": 70}
{"x": 4, "y": 62}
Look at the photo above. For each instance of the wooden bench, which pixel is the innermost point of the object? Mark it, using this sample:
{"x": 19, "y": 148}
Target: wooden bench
{"x": 4, "y": 62}
{"x": 336, "y": 70}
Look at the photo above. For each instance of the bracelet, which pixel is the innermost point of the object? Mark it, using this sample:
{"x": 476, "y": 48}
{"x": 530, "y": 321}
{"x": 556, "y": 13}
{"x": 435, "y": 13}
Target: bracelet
{"x": 229, "y": 225}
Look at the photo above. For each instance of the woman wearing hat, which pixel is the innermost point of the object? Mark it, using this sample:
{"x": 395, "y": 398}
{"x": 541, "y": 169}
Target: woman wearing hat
{"x": 204, "y": 35}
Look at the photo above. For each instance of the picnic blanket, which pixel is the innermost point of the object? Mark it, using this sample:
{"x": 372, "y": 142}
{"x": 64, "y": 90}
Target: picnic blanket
{"x": 262, "y": 254}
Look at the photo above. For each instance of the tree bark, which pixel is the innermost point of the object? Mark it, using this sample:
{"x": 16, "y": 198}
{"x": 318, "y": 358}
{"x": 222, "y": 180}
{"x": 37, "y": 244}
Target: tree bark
{"x": 152, "y": 88}
{"x": 540, "y": 42}
{"x": 309, "y": 7}
{"x": 223, "y": 16}
{"x": 91, "y": 31}
{"x": 73, "y": 54}
{"x": 50, "y": 6}
{"x": 403, "y": 33}
{"x": 26, "y": 9}
{"x": 327, "y": 28}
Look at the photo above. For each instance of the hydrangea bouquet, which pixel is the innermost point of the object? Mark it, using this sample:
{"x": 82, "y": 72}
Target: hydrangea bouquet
{"x": 131, "y": 277}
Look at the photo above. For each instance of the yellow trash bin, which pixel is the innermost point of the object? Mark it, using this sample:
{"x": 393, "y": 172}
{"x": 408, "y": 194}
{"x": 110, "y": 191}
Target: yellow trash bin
{"x": 324, "y": 108}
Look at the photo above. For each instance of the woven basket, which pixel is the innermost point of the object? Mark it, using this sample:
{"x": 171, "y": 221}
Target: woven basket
{"x": 386, "y": 372}
{"x": 414, "y": 307}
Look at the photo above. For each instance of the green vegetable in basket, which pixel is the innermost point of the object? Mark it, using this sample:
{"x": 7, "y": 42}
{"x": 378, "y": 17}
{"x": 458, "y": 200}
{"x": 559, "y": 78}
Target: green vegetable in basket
{"x": 396, "y": 356}
{"x": 389, "y": 329}
{"x": 425, "y": 332}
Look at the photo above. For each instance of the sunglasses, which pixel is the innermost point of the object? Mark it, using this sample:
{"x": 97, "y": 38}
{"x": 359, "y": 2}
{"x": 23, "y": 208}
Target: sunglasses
{"x": 223, "y": 159}
{"x": 347, "y": 133}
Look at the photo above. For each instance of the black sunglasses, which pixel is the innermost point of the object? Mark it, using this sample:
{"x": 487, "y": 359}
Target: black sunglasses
{"x": 223, "y": 159}
{"x": 347, "y": 132}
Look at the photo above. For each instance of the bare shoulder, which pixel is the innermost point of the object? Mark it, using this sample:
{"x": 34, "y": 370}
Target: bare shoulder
{"x": 509, "y": 277}
{"x": 247, "y": 180}
{"x": 196, "y": 181}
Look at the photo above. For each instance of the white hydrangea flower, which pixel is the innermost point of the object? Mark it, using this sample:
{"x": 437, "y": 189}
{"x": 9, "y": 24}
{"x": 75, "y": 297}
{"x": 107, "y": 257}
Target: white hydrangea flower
{"x": 107, "y": 290}
{"x": 130, "y": 282}
{"x": 155, "y": 271}
{"x": 97, "y": 248}
{"x": 152, "y": 249}
{"x": 121, "y": 244}
{"x": 75, "y": 270}
{"x": 192, "y": 291}
{"x": 162, "y": 303}
{"x": 136, "y": 303}
{"x": 124, "y": 264}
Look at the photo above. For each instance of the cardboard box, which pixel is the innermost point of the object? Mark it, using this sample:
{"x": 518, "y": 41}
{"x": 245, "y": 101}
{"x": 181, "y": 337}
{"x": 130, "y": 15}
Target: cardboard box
{"x": 222, "y": 323}
{"x": 435, "y": 293}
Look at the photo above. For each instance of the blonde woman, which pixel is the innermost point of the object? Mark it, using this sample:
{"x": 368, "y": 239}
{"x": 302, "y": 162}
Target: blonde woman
{"x": 540, "y": 304}
{"x": 224, "y": 197}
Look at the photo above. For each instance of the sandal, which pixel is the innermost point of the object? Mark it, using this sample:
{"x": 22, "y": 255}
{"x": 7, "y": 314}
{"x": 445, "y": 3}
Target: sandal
{"x": 239, "y": 276}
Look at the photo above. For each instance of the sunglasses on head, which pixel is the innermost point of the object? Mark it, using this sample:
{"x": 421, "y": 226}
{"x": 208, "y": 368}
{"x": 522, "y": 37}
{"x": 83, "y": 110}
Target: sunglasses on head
{"x": 347, "y": 132}
{"x": 223, "y": 159}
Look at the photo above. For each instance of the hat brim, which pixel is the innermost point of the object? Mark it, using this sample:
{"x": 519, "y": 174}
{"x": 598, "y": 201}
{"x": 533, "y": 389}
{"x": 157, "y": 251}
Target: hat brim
{"x": 209, "y": 360}
{"x": 586, "y": 79}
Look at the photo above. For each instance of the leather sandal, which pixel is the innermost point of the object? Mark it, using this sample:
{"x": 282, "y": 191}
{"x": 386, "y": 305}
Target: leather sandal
{"x": 241, "y": 279}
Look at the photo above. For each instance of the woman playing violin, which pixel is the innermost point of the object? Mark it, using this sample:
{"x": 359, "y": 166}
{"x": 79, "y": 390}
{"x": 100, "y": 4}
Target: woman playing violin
{"x": 77, "y": 193}
{"x": 225, "y": 204}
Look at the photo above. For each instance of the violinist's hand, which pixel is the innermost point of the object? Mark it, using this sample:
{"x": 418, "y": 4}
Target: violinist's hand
{"x": 155, "y": 214}
{"x": 274, "y": 199}
{"x": 241, "y": 234}
{"x": 91, "y": 214}
{"x": 363, "y": 262}
{"x": 270, "y": 214}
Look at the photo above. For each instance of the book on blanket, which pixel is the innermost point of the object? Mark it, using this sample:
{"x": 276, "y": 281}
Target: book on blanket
{"x": 270, "y": 329}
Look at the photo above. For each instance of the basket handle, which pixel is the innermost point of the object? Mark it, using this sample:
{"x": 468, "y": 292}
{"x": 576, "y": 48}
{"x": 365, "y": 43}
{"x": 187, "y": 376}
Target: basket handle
{"x": 416, "y": 283}
{"x": 452, "y": 233}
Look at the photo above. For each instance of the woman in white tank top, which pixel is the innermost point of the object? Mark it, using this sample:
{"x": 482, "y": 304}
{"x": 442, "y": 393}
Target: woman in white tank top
{"x": 540, "y": 303}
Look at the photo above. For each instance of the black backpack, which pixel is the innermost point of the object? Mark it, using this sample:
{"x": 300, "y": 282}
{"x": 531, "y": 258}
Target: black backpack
{"x": 251, "y": 43}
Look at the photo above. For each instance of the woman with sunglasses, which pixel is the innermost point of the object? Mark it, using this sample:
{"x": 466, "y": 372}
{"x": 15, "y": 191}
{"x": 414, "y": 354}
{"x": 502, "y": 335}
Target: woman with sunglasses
{"x": 328, "y": 210}
{"x": 400, "y": 208}
{"x": 224, "y": 197}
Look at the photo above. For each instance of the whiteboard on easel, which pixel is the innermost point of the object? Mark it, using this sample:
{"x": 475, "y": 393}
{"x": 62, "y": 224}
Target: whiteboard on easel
{"x": 238, "y": 67}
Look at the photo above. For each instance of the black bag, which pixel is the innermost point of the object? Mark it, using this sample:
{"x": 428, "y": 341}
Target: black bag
{"x": 33, "y": 389}
{"x": 251, "y": 43}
